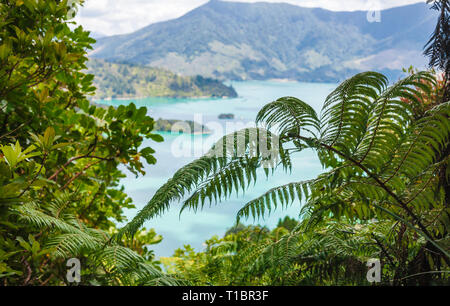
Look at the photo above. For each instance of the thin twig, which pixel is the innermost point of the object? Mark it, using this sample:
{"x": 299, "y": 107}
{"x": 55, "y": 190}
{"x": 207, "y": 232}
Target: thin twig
{"x": 80, "y": 174}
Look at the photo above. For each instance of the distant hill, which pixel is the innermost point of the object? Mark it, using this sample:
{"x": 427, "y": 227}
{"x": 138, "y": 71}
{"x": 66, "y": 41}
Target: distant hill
{"x": 231, "y": 40}
{"x": 115, "y": 80}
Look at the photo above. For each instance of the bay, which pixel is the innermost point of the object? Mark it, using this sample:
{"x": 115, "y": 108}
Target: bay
{"x": 178, "y": 150}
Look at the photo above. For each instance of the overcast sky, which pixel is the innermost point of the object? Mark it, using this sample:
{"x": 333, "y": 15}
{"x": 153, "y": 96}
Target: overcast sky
{"x": 110, "y": 17}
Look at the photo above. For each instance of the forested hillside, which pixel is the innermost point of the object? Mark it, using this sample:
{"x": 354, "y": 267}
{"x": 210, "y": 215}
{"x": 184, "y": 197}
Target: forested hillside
{"x": 128, "y": 81}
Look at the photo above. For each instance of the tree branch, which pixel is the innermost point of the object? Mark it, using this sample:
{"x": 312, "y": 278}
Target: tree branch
{"x": 80, "y": 173}
{"x": 54, "y": 175}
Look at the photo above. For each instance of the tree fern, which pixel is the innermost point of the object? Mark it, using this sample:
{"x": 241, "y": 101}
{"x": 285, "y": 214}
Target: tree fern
{"x": 383, "y": 158}
{"x": 230, "y": 165}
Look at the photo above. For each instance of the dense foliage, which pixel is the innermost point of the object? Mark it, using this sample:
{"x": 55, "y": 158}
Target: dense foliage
{"x": 332, "y": 254}
{"x": 384, "y": 191}
{"x": 60, "y": 157}
{"x": 381, "y": 195}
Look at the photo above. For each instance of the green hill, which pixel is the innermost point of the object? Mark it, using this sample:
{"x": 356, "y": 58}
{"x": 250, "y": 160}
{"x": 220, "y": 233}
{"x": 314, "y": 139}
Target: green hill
{"x": 238, "y": 41}
{"x": 115, "y": 80}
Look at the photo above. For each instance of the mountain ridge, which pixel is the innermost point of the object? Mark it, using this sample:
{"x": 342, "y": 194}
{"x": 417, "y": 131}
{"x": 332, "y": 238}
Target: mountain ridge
{"x": 239, "y": 41}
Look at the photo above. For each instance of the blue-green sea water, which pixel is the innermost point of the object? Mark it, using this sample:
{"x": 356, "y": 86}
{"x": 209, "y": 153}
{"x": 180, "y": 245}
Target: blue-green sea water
{"x": 178, "y": 150}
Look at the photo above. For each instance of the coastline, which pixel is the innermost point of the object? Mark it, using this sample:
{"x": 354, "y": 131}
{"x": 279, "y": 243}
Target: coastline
{"x": 284, "y": 80}
{"x": 95, "y": 100}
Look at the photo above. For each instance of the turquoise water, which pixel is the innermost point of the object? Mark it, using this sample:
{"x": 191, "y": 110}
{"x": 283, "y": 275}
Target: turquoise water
{"x": 176, "y": 151}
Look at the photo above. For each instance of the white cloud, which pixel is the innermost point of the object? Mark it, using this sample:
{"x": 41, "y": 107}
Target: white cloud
{"x": 343, "y": 5}
{"x": 110, "y": 17}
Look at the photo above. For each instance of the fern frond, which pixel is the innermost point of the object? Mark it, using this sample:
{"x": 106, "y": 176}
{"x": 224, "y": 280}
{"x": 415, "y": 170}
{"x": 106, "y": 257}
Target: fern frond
{"x": 289, "y": 116}
{"x": 31, "y": 214}
{"x": 218, "y": 171}
{"x": 238, "y": 174}
{"x": 129, "y": 267}
{"x": 422, "y": 144}
{"x": 283, "y": 195}
{"x": 70, "y": 245}
{"x": 346, "y": 110}
{"x": 390, "y": 119}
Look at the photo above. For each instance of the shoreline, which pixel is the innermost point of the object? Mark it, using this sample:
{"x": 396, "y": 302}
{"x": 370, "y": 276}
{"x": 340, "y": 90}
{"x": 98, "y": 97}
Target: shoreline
{"x": 161, "y": 97}
{"x": 284, "y": 80}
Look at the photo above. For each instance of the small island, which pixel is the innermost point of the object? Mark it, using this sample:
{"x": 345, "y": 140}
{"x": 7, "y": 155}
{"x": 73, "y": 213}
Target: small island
{"x": 226, "y": 116}
{"x": 126, "y": 81}
{"x": 181, "y": 127}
